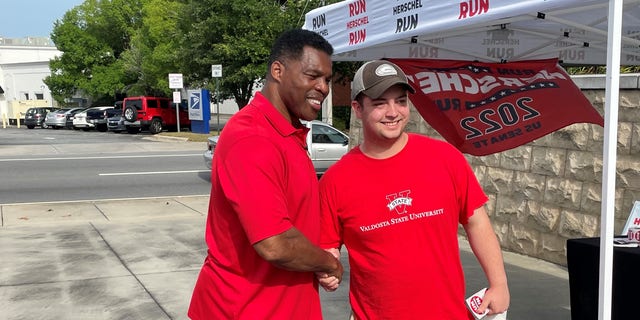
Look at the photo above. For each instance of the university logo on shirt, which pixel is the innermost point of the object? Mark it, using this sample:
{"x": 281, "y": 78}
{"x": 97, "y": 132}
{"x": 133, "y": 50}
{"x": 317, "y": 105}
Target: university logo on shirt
{"x": 399, "y": 201}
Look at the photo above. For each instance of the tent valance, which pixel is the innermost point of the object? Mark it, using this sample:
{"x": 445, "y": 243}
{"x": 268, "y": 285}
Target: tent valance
{"x": 573, "y": 31}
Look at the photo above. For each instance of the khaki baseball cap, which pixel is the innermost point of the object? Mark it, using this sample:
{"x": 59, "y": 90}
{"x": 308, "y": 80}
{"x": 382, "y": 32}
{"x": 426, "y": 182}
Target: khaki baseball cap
{"x": 375, "y": 77}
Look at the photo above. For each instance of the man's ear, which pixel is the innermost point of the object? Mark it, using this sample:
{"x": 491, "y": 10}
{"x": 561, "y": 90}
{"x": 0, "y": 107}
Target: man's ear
{"x": 357, "y": 108}
{"x": 277, "y": 70}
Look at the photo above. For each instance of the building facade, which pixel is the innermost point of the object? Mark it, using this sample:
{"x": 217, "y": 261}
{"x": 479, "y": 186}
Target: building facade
{"x": 24, "y": 64}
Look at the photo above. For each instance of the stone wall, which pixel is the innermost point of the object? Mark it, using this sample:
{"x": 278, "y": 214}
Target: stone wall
{"x": 548, "y": 191}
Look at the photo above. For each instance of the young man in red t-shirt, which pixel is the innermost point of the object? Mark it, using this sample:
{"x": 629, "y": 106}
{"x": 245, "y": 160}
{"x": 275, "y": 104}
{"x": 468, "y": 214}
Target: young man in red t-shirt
{"x": 395, "y": 202}
{"x": 263, "y": 224}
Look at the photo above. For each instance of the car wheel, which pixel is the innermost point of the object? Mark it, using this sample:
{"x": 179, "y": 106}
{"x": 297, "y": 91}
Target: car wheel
{"x": 44, "y": 125}
{"x": 102, "y": 128}
{"x": 130, "y": 114}
{"x": 155, "y": 126}
{"x": 56, "y": 127}
{"x": 31, "y": 126}
{"x": 133, "y": 130}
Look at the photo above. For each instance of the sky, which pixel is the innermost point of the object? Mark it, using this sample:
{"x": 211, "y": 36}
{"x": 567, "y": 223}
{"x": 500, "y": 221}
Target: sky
{"x": 31, "y": 18}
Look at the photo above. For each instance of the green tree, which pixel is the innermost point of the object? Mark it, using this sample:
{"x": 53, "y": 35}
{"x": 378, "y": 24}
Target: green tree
{"x": 237, "y": 35}
{"x": 127, "y": 47}
{"x": 92, "y": 37}
{"x": 66, "y": 69}
{"x": 153, "y": 53}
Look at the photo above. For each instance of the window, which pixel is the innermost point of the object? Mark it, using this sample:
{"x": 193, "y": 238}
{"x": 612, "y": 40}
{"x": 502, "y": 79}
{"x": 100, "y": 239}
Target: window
{"x": 39, "y": 96}
{"x": 152, "y": 103}
{"x": 134, "y": 103}
{"x": 324, "y": 134}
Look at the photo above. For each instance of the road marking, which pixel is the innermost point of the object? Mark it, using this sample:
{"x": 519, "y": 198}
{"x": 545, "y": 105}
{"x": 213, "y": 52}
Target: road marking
{"x": 102, "y": 157}
{"x": 150, "y": 172}
{"x": 104, "y": 200}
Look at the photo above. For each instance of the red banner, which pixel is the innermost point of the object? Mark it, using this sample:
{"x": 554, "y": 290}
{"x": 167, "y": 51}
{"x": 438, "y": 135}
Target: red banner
{"x": 484, "y": 108}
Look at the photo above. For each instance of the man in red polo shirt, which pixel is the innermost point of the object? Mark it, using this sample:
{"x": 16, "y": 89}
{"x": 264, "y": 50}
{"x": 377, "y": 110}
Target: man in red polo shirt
{"x": 263, "y": 225}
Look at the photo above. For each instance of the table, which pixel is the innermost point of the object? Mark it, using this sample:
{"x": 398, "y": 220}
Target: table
{"x": 583, "y": 263}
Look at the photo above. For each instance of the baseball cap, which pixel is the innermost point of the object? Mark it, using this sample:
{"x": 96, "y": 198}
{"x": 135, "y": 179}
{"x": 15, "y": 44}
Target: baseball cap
{"x": 375, "y": 77}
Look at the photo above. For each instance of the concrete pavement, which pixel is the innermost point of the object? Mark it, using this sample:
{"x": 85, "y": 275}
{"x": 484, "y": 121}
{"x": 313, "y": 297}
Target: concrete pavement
{"x": 138, "y": 259}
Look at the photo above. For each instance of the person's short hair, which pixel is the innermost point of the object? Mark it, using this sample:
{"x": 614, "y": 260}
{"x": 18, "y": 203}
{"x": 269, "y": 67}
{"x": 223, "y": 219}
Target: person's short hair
{"x": 375, "y": 77}
{"x": 290, "y": 45}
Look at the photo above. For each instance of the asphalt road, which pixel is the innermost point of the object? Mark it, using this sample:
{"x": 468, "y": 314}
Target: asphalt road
{"x": 44, "y": 165}
{"x": 12, "y": 136}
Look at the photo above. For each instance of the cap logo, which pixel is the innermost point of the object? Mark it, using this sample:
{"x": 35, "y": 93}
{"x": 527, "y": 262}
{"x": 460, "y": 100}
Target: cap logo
{"x": 386, "y": 70}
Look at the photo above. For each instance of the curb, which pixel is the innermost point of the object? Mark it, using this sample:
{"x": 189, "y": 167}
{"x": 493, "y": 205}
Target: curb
{"x": 166, "y": 138}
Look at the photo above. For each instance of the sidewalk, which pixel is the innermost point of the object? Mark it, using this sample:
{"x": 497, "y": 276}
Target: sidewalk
{"x": 138, "y": 259}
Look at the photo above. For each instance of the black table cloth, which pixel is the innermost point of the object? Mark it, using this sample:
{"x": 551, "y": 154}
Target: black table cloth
{"x": 583, "y": 262}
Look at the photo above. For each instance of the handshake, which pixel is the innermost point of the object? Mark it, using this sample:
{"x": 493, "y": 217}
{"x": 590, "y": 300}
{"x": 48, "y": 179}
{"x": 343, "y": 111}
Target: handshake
{"x": 329, "y": 282}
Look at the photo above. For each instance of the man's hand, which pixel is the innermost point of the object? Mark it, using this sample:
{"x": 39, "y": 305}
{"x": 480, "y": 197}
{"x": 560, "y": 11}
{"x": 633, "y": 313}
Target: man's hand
{"x": 496, "y": 299}
{"x": 330, "y": 282}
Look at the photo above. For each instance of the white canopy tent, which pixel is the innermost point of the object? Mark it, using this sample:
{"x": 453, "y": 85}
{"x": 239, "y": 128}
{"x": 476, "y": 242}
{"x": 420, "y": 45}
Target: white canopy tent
{"x": 577, "y": 32}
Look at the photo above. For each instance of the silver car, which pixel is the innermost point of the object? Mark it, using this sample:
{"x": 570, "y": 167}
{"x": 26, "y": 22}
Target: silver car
{"x": 211, "y": 146}
{"x": 56, "y": 119}
{"x": 326, "y": 145}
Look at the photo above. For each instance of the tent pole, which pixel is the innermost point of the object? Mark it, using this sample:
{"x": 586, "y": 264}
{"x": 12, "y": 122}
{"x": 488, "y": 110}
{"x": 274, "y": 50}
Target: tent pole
{"x": 614, "y": 40}
{"x": 327, "y": 106}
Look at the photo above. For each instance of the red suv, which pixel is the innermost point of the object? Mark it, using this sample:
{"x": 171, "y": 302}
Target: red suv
{"x": 153, "y": 114}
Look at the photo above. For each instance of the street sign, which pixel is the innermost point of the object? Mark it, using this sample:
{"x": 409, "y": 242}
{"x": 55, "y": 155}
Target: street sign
{"x": 175, "y": 80}
{"x": 216, "y": 70}
{"x": 176, "y": 97}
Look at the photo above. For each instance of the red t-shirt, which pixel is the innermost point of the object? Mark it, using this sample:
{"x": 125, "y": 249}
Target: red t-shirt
{"x": 398, "y": 219}
{"x": 262, "y": 184}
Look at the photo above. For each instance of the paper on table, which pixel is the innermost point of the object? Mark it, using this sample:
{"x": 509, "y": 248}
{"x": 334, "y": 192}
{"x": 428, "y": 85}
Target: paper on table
{"x": 624, "y": 242}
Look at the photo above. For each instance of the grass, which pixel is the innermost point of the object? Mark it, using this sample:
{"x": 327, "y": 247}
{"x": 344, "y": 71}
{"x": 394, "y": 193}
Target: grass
{"x": 193, "y": 137}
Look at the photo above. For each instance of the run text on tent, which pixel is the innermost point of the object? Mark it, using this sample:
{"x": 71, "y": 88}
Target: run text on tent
{"x": 407, "y": 23}
{"x": 357, "y": 8}
{"x": 471, "y": 8}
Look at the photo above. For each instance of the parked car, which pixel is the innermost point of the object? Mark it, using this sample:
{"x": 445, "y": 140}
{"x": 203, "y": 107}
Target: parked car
{"x": 90, "y": 118}
{"x": 70, "y": 114}
{"x": 35, "y": 117}
{"x": 116, "y": 124}
{"x": 115, "y": 121}
{"x": 153, "y": 114}
{"x": 212, "y": 141}
{"x": 56, "y": 119}
{"x": 325, "y": 143}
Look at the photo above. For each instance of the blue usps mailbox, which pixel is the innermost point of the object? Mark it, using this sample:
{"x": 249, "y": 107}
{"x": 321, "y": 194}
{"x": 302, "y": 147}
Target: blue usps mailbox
{"x": 199, "y": 110}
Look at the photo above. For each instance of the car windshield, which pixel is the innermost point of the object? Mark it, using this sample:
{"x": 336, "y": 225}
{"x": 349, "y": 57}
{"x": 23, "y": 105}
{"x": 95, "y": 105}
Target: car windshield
{"x": 323, "y": 134}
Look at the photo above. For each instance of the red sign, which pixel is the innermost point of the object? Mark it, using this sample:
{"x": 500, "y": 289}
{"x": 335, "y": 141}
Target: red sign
{"x": 484, "y": 108}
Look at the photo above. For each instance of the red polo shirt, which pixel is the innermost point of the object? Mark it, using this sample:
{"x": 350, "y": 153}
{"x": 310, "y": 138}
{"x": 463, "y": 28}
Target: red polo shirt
{"x": 262, "y": 184}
